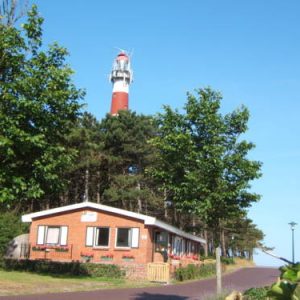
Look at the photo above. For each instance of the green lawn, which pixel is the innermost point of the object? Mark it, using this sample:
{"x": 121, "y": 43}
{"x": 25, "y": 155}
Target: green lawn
{"x": 20, "y": 283}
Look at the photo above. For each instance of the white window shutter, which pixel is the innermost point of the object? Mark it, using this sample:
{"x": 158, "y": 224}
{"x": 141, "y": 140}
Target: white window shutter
{"x": 63, "y": 235}
{"x": 135, "y": 236}
{"x": 89, "y": 236}
{"x": 40, "y": 235}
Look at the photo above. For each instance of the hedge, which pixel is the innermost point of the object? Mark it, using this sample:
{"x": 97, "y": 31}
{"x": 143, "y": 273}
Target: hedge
{"x": 195, "y": 271}
{"x": 63, "y": 268}
{"x": 227, "y": 260}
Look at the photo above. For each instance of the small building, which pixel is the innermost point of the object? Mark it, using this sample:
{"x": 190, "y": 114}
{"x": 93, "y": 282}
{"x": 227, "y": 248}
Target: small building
{"x": 98, "y": 233}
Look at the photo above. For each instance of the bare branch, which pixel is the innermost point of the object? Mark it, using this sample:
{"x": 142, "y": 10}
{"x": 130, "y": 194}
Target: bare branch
{"x": 12, "y": 10}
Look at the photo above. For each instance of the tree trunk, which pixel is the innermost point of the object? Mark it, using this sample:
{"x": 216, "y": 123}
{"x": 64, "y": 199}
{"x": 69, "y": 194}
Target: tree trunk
{"x": 223, "y": 246}
{"x": 205, "y": 245}
{"x": 98, "y": 188}
{"x": 165, "y": 205}
{"x": 194, "y": 225}
{"x": 86, "y": 186}
{"x": 251, "y": 254}
{"x": 139, "y": 201}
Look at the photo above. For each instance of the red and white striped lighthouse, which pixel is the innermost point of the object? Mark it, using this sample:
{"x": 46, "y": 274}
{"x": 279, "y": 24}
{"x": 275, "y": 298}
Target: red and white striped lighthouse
{"x": 121, "y": 77}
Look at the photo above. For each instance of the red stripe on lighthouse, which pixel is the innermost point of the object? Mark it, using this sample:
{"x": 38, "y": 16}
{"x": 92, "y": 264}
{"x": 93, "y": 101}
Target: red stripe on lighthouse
{"x": 119, "y": 102}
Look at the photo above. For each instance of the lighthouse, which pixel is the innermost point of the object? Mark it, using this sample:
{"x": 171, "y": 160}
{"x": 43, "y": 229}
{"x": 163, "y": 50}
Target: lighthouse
{"x": 121, "y": 77}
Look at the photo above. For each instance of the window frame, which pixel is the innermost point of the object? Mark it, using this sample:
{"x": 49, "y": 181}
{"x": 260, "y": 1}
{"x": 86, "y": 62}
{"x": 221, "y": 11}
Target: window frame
{"x": 45, "y": 235}
{"x": 130, "y": 238}
{"x": 97, "y": 228}
{"x": 95, "y": 236}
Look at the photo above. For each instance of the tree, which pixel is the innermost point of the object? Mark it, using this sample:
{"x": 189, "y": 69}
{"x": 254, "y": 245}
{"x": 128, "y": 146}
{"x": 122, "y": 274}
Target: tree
{"x": 38, "y": 105}
{"x": 127, "y": 153}
{"x": 11, "y": 11}
{"x": 245, "y": 238}
{"x": 85, "y": 176}
{"x": 202, "y": 163}
{"x": 11, "y": 226}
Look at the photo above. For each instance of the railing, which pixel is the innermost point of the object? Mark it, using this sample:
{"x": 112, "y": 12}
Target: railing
{"x": 24, "y": 250}
{"x": 52, "y": 252}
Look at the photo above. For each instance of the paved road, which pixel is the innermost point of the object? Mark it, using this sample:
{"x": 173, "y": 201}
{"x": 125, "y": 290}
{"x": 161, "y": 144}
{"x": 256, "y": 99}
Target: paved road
{"x": 239, "y": 280}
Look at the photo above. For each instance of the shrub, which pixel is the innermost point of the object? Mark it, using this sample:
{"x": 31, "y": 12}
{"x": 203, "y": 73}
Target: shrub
{"x": 11, "y": 226}
{"x": 256, "y": 293}
{"x": 202, "y": 258}
{"x": 195, "y": 272}
{"x": 63, "y": 268}
{"x": 227, "y": 260}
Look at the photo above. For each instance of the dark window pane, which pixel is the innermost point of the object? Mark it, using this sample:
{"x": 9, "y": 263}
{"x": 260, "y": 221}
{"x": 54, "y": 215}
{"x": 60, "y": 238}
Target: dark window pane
{"x": 102, "y": 237}
{"x": 161, "y": 241}
{"x": 123, "y": 237}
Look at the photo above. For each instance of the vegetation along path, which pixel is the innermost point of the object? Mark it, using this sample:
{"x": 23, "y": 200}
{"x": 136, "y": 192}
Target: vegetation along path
{"x": 238, "y": 280}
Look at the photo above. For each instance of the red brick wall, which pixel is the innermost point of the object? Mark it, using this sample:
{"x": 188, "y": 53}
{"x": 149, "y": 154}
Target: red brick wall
{"x": 77, "y": 237}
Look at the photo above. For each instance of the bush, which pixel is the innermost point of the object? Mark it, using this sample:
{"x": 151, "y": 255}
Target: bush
{"x": 202, "y": 258}
{"x": 227, "y": 260}
{"x": 194, "y": 272}
{"x": 62, "y": 268}
{"x": 11, "y": 226}
{"x": 256, "y": 293}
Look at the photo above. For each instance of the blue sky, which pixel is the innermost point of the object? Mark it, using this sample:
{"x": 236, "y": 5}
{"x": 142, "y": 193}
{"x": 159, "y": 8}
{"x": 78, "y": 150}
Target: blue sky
{"x": 248, "y": 50}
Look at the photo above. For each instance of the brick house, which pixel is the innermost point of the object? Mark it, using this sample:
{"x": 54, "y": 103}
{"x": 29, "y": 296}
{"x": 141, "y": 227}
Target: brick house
{"x": 98, "y": 233}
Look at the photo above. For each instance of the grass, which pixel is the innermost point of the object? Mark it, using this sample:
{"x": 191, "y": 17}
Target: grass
{"x": 21, "y": 283}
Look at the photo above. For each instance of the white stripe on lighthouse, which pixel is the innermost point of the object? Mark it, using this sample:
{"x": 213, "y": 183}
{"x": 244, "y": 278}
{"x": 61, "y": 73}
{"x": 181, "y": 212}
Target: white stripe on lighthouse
{"x": 121, "y": 86}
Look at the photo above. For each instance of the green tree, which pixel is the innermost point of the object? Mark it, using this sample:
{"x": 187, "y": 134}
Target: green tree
{"x": 127, "y": 153}
{"x": 11, "y": 226}
{"x": 85, "y": 176}
{"x": 202, "y": 162}
{"x": 244, "y": 237}
{"x": 38, "y": 105}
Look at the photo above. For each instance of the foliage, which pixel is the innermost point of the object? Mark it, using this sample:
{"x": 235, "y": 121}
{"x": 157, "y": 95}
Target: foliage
{"x": 256, "y": 293}
{"x": 11, "y": 227}
{"x": 127, "y": 153}
{"x": 195, "y": 271}
{"x": 38, "y": 105}
{"x": 202, "y": 162}
{"x": 67, "y": 268}
{"x": 85, "y": 177}
{"x": 243, "y": 236}
{"x": 288, "y": 286}
{"x": 227, "y": 260}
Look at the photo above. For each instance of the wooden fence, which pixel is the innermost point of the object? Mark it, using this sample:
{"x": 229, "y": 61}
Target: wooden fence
{"x": 158, "y": 272}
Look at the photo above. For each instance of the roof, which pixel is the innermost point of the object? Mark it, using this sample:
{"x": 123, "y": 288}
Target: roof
{"x": 147, "y": 219}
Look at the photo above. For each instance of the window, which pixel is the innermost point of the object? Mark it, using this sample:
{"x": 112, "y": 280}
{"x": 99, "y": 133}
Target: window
{"x": 123, "y": 237}
{"x": 52, "y": 235}
{"x": 177, "y": 245}
{"x": 161, "y": 241}
{"x": 97, "y": 236}
{"x": 102, "y": 236}
{"x": 127, "y": 237}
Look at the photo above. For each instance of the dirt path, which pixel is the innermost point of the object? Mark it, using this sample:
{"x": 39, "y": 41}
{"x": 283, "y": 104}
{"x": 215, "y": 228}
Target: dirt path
{"x": 239, "y": 280}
